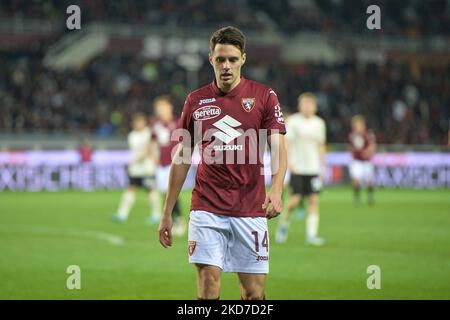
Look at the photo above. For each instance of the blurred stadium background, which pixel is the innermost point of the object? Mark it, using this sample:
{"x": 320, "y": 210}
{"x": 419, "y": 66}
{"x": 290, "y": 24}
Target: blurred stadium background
{"x": 66, "y": 98}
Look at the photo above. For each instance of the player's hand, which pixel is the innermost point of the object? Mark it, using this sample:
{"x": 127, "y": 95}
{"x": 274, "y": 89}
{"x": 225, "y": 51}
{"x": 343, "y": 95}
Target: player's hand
{"x": 165, "y": 230}
{"x": 272, "y": 203}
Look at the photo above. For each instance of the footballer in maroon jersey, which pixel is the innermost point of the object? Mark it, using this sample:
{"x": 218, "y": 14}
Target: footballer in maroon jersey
{"x": 231, "y": 189}
{"x": 162, "y": 130}
{"x": 163, "y": 127}
{"x": 363, "y": 146}
{"x": 230, "y": 120}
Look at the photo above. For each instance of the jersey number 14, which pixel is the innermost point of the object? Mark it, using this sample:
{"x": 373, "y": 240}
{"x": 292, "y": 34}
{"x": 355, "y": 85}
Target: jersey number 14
{"x": 264, "y": 243}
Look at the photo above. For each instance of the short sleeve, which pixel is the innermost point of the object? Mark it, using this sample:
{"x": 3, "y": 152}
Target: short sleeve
{"x": 273, "y": 115}
{"x": 185, "y": 119}
{"x": 186, "y": 124}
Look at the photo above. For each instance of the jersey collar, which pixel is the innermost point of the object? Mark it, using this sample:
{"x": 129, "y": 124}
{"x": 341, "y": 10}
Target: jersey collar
{"x": 232, "y": 93}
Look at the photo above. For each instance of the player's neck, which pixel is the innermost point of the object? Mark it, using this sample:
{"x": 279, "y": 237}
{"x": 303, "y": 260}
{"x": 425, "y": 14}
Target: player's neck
{"x": 225, "y": 88}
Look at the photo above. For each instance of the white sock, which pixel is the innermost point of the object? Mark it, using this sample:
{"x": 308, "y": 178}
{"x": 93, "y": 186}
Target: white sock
{"x": 312, "y": 225}
{"x": 154, "y": 201}
{"x": 126, "y": 203}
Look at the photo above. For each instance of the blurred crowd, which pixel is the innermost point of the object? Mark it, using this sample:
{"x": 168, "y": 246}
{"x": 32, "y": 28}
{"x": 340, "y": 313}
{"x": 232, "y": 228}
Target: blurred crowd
{"x": 196, "y": 13}
{"x": 99, "y": 98}
{"x": 402, "y": 103}
{"x": 412, "y": 18}
{"x": 406, "y": 104}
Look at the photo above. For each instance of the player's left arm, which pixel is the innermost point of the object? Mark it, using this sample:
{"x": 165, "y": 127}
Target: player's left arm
{"x": 372, "y": 147}
{"x": 274, "y": 122}
{"x": 278, "y": 157}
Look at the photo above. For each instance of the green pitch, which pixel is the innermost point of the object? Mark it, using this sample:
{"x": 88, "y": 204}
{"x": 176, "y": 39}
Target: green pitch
{"x": 406, "y": 234}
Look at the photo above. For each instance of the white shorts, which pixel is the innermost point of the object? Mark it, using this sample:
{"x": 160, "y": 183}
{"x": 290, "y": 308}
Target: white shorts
{"x": 234, "y": 244}
{"x": 162, "y": 178}
{"x": 142, "y": 169}
{"x": 362, "y": 171}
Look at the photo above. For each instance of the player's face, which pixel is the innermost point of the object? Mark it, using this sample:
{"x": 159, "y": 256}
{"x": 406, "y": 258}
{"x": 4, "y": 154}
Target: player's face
{"x": 308, "y": 107}
{"x": 163, "y": 110}
{"x": 139, "y": 124}
{"x": 359, "y": 126}
{"x": 227, "y": 61}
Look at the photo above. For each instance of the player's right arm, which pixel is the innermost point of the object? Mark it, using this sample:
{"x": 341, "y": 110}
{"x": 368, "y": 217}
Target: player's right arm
{"x": 350, "y": 144}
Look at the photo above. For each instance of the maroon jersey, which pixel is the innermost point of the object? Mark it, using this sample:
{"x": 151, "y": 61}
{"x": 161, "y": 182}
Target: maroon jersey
{"x": 161, "y": 132}
{"x": 85, "y": 154}
{"x": 227, "y": 127}
{"x": 359, "y": 143}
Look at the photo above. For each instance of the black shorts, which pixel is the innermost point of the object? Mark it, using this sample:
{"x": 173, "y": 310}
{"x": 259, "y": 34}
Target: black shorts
{"x": 305, "y": 184}
{"x": 144, "y": 182}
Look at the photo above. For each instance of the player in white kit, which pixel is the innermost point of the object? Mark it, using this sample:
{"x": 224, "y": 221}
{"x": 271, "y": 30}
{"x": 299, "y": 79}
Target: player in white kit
{"x": 141, "y": 170}
{"x": 306, "y": 137}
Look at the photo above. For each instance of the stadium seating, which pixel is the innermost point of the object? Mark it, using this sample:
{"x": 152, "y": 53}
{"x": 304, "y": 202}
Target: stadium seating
{"x": 402, "y": 101}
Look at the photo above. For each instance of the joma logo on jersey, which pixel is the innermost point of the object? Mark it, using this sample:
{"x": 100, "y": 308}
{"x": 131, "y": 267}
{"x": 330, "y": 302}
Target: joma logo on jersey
{"x": 206, "y": 112}
{"x": 203, "y": 101}
{"x": 248, "y": 104}
{"x": 226, "y": 126}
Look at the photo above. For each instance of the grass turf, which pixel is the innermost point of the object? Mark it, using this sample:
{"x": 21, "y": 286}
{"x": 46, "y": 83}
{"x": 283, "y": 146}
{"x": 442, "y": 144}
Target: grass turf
{"x": 407, "y": 234}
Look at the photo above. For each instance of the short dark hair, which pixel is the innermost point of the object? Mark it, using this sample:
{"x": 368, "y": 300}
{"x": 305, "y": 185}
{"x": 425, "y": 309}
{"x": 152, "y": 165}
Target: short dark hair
{"x": 228, "y": 35}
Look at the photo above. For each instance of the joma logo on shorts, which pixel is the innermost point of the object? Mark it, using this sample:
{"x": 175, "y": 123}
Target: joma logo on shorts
{"x": 262, "y": 258}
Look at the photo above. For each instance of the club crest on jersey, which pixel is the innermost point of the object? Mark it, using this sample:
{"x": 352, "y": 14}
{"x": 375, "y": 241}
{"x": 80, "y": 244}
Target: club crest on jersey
{"x": 248, "y": 104}
{"x": 191, "y": 247}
